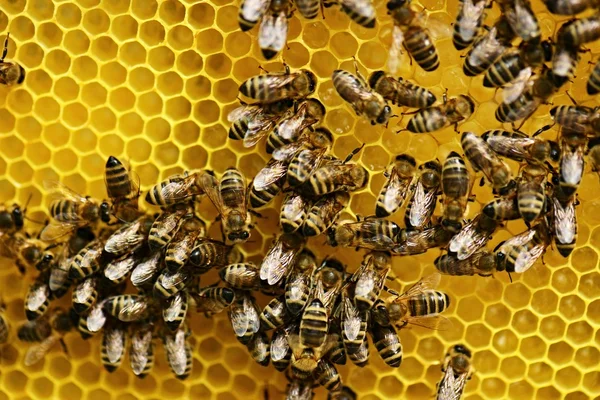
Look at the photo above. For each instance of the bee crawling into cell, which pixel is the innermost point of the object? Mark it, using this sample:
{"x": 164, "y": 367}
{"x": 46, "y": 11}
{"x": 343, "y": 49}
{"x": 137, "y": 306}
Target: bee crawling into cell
{"x": 458, "y": 369}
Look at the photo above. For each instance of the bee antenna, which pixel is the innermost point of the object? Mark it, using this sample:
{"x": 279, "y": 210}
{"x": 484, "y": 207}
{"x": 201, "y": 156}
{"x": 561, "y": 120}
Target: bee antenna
{"x": 509, "y": 276}
{"x": 5, "y": 51}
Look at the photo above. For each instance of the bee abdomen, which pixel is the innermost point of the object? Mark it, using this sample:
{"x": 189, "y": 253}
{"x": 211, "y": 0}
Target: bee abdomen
{"x": 260, "y": 198}
{"x": 257, "y": 88}
{"x": 64, "y": 210}
{"x": 593, "y": 83}
{"x": 117, "y": 178}
{"x": 421, "y": 47}
{"x": 388, "y": 345}
{"x": 313, "y": 327}
{"x": 503, "y": 71}
{"x": 427, "y": 303}
{"x": 231, "y": 184}
{"x": 327, "y": 375}
{"x": 368, "y": 21}
{"x": 531, "y": 205}
{"x": 238, "y": 129}
{"x": 427, "y": 120}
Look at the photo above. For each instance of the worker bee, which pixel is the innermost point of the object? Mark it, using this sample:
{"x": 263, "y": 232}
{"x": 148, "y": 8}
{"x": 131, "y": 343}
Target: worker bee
{"x": 503, "y": 208}
{"x": 482, "y": 263}
{"x": 564, "y": 222}
{"x": 260, "y": 348}
{"x": 281, "y": 353}
{"x": 314, "y": 324}
{"x": 327, "y": 375}
{"x": 11, "y": 73}
{"x": 4, "y": 324}
{"x": 122, "y": 188}
{"x": 334, "y": 177}
{"x": 324, "y": 212}
{"x": 399, "y": 177}
{"x": 472, "y": 236}
{"x": 230, "y": 199}
{"x": 127, "y": 307}
{"x": 85, "y": 295}
{"x": 175, "y": 311}
{"x": 364, "y": 101}
{"x": 251, "y": 122}
{"x": 409, "y": 32}
{"x": 510, "y": 66}
{"x": 45, "y": 333}
{"x": 519, "y": 147}
{"x": 564, "y": 63}
{"x": 180, "y": 248}
{"x": 452, "y": 112}
{"x": 141, "y": 349}
{"x": 305, "y": 359}
{"x": 423, "y": 200}
{"x": 531, "y": 193}
{"x": 212, "y": 300}
{"x": 420, "y": 305}
{"x": 483, "y": 158}
{"x": 87, "y": 261}
{"x": 400, "y": 91}
{"x": 244, "y": 315}
{"x": 457, "y": 369}
{"x": 298, "y": 282}
{"x": 251, "y": 11}
{"x": 413, "y": 242}
{"x": 354, "y": 324}
{"x": 69, "y": 211}
{"x": 146, "y": 270}
{"x": 112, "y": 348}
{"x": 468, "y": 22}
{"x": 488, "y": 48}
{"x": 293, "y": 123}
{"x": 118, "y": 270}
{"x": 520, "y": 252}
{"x": 303, "y": 165}
{"x": 175, "y": 189}
{"x": 272, "y": 35}
{"x": 179, "y": 352}
{"x": 571, "y": 164}
{"x": 37, "y": 298}
{"x": 568, "y": 7}
{"x": 577, "y": 32}
{"x": 11, "y": 219}
{"x": 455, "y": 187}
{"x": 262, "y": 194}
{"x": 593, "y": 83}
{"x": 370, "y": 278}
{"x": 280, "y": 257}
{"x": 360, "y": 11}
{"x": 165, "y": 227}
{"x": 387, "y": 343}
{"x": 243, "y": 276}
{"x": 293, "y": 212}
{"x": 169, "y": 283}
{"x": 279, "y": 86}
{"x": 129, "y": 237}
{"x": 331, "y": 273}
{"x": 521, "y": 18}
{"x": 275, "y": 314}
{"x": 371, "y": 233}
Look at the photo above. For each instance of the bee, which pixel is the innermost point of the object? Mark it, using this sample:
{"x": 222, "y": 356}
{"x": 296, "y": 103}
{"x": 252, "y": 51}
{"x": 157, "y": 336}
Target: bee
{"x": 117, "y": 271}
{"x": 87, "y": 261}
{"x": 488, "y": 48}
{"x": 521, "y": 18}
{"x": 169, "y": 283}
{"x": 244, "y": 276}
{"x": 354, "y": 324}
{"x": 268, "y": 183}
{"x": 578, "y": 32}
{"x": 112, "y": 348}
{"x": 175, "y": 311}
{"x": 519, "y": 147}
{"x": 251, "y": 122}
{"x": 128, "y": 307}
{"x": 4, "y": 324}
{"x": 457, "y": 369}
{"x": 364, "y": 101}
{"x": 145, "y": 271}
{"x": 85, "y": 295}
{"x": 275, "y": 314}
{"x": 37, "y": 298}
{"x": 129, "y": 237}
{"x": 455, "y": 187}
{"x": 212, "y": 300}
{"x": 280, "y": 257}
{"x": 279, "y": 86}
{"x": 387, "y": 343}
{"x": 208, "y": 253}
{"x": 176, "y": 189}
{"x": 11, "y": 73}
{"x": 272, "y": 35}
{"x": 568, "y": 7}
{"x": 92, "y": 321}
{"x": 399, "y": 177}
{"x": 420, "y": 305}
{"x": 360, "y": 11}
{"x": 327, "y": 375}
{"x": 180, "y": 248}
{"x": 251, "y": 11}
{"x": 452, "y": 112}
{"x": 11, "y": 219}
{"x": 422, "y": 203}
{"x": 179, "y": 352}
{"x": 343, "y": 393}
{"x": 571, "y": 164}
{"x": 27, "y": 252}
{"x": 360, "y": 357}
{"x": 593, "y": 83}
{"x": 165, "y": 227}
{"x": 244, "y": 315}
{"x": 409, "y": 32}
{"x": 504, "y": 208}
{"x": 281, "y": 353}
{"x": 564, "y": 63}
{"x": 45, "y": 333}
{"x": 564, "y": 222}
{"x": 293, "y": 123}
{"x": 372, "y": 233}
{"x": 309, "y": 9}
{"x": 141, "y": 349}
{"x": 482, "y": 263}
{"x": 483, "y": 158}
{"x": 335, "y": 177}
{"x": 531, "y": 194}
{"x": 305, "y": 359}
{"x": 414, "y": 242}
{"x": 260, "y": 348}
{"x": 324, "y": 212}
{"x": 293, "y": 212}
{"x": 314, "y": 324}
{"x": 370, "y": 278}
{"x": 468, "y": 22}
{"x": 230, "y": 199}
{"x": 520, "y": 252}
{"x": 303, "y": 165}
{"x": 69, "y": 211}
{"x": 298, "y": 282}
{"x": 472, "y": 236}
{"x": 400, "y": 91}
{"x": 122, "y": 188}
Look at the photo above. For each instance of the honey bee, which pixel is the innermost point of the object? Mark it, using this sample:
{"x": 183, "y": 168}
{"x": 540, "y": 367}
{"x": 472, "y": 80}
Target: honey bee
{"x": 293, "y": 212}
{"x": 305, "y": 359}
{"x": 568, "y": 7}
{"x": 420, "y": 305}
{"x": 298, "y": 282}
{"x": 268, "y": 183}
{"x": 364, "y": 101}
{"x": 564, "y": 63}
{"x": 387, "y": 343}
{"x": 360, "y": 11}
{"x": 251, "y": 122}
{"x": 37, "y": 298}
{"x": 244, "y": 276}
{"x": 69, "y": 211}
{"x": 370, "y": 278}
{"x": 87, "y": 261}
{"x": 468, "y": 22}
{"x": 260, "y": 348}
{"x": 281, "y": 353}
{"x": 593, "y": 83}
{"x": 165, "y": 227}
{"x": 564, "y": 222}
{"x": 179, "y": 249}
{"x": 482, "y": 263}
{"x": 360, "y": 357}
{"x": 92, "y": 321}
{"x": 343, "y": 393}
{"x": 423, "y": 200}
{"x": 488, "y": 48}
{"x": 212, "y": 300}
{"x": 472, "y": 236}
{"x": 11, "y": 219}
{"x": 145, "y": 271}
{"x": 457, "y": 369}
{"x": 334, "y": 177}
{"x": 112, "y": 348}
{"x": 324, "y": 212}
{"x": 279, "y": 86}
{"x": 504, "y": 208}
{"x": 531, "y": 193}
{"x": 520, "y": 252}
{"x": 371, "y": 233}
{"x": 400, "y": 91}
{"x": 303, "y": 165}
{"x": 129, "y": 237}
{"x": 354, "y": 327}
{"x": 170, "y": 283}
{"x": 251, "y": 11}
{"x": 4, "y": 324}
{"x": 272, "y": 35}
{"x": 578, "y": 32}
{"x": 511, "y": 64}
{"x": 128, "y": 307}
{"x": 244, "y": 315}
{"x": 293, "y": 123}
{"x": 455, "y": 187}
{"x": 179, "y": 352}
{"x": 327, "y": 375}
{"x": 45, "y": 333}
{"x": 414, "y": 242}
{"x": 452, "y": 112}
{"x": 11, "y": 73}
{"x": 122, "y": 188}
{"x": 141, "y": 349}
{"x": 314, "y": 324}
{"x": 483, "y": 158}
{"x": 117, "y": 271}
{"x": 27, "y": 252}
{"x": 230, "y": 199}
{"x": 85, "y": 295}
{"x": 399, "y": 177}
{"x": 521, "y": 18}
{"x": 175, "y": 189}
{"x": 408, "y": 31}
{"x": 280, "y": 257}
{"x": 275, "y": 314}
{"x": 571, "y": 164}
{"x": 519, "y": 147}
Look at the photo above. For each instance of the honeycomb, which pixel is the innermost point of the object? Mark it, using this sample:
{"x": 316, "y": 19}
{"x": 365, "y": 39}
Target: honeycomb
{"x": 152, "y": 82}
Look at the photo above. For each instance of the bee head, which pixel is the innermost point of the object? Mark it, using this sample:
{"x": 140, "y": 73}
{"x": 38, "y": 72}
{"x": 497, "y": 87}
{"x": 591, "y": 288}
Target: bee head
{"x": 17, "y": 216}
{"x": 451, "y": 226}
{"x": 547, "y": 49}
{"x": 384, "y": 115}
{"x": 105, "y": 212}
{"x": 375, "y": 78}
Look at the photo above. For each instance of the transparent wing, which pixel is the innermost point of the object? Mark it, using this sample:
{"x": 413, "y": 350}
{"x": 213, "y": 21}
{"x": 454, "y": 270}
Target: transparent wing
{"x": 468, "y": 240}
{"x": 116, "y": 270}
{"x": 527, "y": 258}
{"x": 471, "y": 15}
{"x": 571, "y": 167}
{"x": 238, "y": 319}
{"x": 210, "y": 185}
{"x": 276, "y": 263}
{"x": 451, "y": 386}
{"x": 351, "y": 321}
{"x": 253, "y": 10}
{"x": 37, "y": 352}
{"x": 176, "y": 304}
{"x": 422, "y": 205}
{"x": 429, "y": 282}
{"x": 59, "y": 190}
{"x": 144, "y": 271}
{"x": 395, "y": 50}
{"x": 279, "y": 348}
{"x": 487, "y": 48}
{"x": 133, "y": 310}
{"x": 513, "y": 90}
{"x": 565, "y": 222}
{"x": 252, "y": 314}
{"x": 395, "y": 192}
{"x": 37, "y": 296}
{"x": 287, "y": 152}
{"x": 269, "y": 175}
{"x": 244, "y": 111}
{"x": 436, "y": 322}
{"x": 96, "y": 318}
{"x": 55, "y": 230}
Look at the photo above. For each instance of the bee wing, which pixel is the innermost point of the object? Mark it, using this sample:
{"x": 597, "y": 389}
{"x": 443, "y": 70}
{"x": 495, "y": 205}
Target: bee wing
{"x": 119, "y": 268}
{"x": 59, "y": 190}
{"x": 253, "y": 315}
{"x": 293, "y": 340}
{"x": 37, "y": 352}
{"x": 238, "y": 319}
{"x": 145, "y": 270}
{"x": 133, "y": 310}
{"x": 279, "y": 348}
{"x": 436, "y": 322}
{"x": 291, "y": 128}
{"x": 179, "y": 189}
{"x": 471, "y": 13}
{"x": 244, "y": 111}
{"x": 468, "y": 240}
{"x": 421, "y": 205}
{"x": 366, "y": 233}
{"x": 96, "y": 318}
{"x": 269, "y": 175}
{"x": 452, "y": 386}
{"x": 571, "y": 166}
{"x": 351, "y": 321}
{"x": 175, "y": 305}
{"x": 276, "y": 263}
{"x": 210, "y": 185}
{"x": 310, "y": 159}
{"x": 36, "y": 296}
{"x": 565, "y": 222}
{"x": 124, "y": 239}
{"x": 520, "y": 240}
{"x": 527, "y": 258}
{"x": 285, "y": 153}
{"x": 176, "y": 352}
{"x": 258, "y": 129}
{"x": 512, "y": 148}
{"x": 395, "y": 192}
{"x": 395, "y": 50}
{"x": 253, "y": 10}
{"x": 428, "y": 282}
{"x": 486, "y": 48}
{"x": 513, "y": 90}
{"x": 55, "y": 230}
{"x": 273, "y": 32}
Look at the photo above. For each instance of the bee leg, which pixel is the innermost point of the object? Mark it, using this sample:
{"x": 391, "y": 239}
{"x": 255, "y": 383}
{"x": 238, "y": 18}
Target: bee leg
{"x": 358, "y": 74}
{"x": 542, "y": 129}
{"x": 571, "y": 97}
{"x": 5, "y": 51}
{"x": 456, "y": 127}
{"x": 64, "y": 347}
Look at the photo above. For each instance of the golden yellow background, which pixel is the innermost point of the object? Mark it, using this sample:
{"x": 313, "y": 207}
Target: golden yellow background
{"x": 152, "y": 82}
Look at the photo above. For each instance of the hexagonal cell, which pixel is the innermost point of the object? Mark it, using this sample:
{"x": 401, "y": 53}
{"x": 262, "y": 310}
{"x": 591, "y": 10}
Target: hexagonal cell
{"x": 150, "y": 104}
{"x": 571, "y": 307}
{"x": 139, "y": 150}
{"x": 214, "y": 136}
{"x": 218, "y": 65}
{"x": 206, "y": 112}
{"x": 544, "y": 301}
{"x": 75, "y": 115}
{"x": 579, "y": 332}
{"x": 103, "y": 119}
{"x": 560, "y": 353}
{"x": 96, "y": 21}
{"x": 158, "y": 129}
{"x": 130, "y": 124}
{"x": 141, "y": 79}
{"x": 209, "y": 41}
{"x": 19, "y": 102}
{"x": 133, "y": 53}
{"x": 85, "y": 68}
{"x": 122, "y": 99}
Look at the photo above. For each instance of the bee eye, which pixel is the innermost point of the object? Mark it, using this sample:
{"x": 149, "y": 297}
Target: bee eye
{"x": 244, "y": 235}
{"x": 232, "y": 236}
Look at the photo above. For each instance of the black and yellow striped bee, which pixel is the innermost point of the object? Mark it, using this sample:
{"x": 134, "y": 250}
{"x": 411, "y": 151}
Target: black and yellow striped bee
{"x": 11, "y": 72}
{"x": 272, "y": 34}
{"x": 354, "y": 323}
{"x": 113, "y": 346}
{"x": 275, "y": 314}
{"x": 117, "y": 271}
{"x": 568, "y": 7}
{"x": 252, "y": 122}
{"x": 179, "y": 352}
{"x": 473, "y": 236}
{"x": 458, "y": 369}
{"x": 400, "y": 91}
{"x": 180, "y": 247}
{"x": 305, "y": 359}
{"x": 280, "y": 257}
{"x": 400, "y": 175}
{"x": 244, "y": 315}
{"x": 85, "y": 294}
{"x": 123, "y": 189}
{"x": 128, "y": 307}
{"x": 413, "y": 242}
{"x": 278, "y": 86}
{"x": 519, "y": 147}
{"x": 129, "y": 237}
{"x": 521, "y": 18}
{"x": 251, "y": 12}
{"x": 456, "y": 184}
{"x": 146, "y": 270}
{"x": 483, "y": 158}
{"x": 169, "y": 283}
{"x": 323, "y": 213}
{"x": 387, "y": 343}
{"x": 563, "y": 222}
{"x": 293, "y": 212}
{"x": 268, "y": 183}
{"x": 260, "y": 349}
{"x": 327, "y": 375}
{"x": 452, "y": 112}
{"x": 281, "y": 354}
{"x": 482, "y": 262}
{"x": 370, "y": 277}
{"x": 175, "y": 310}
{"x": 212, "y": 300}
{"x": 571, "y": 163}
{"x": 314, "y": 323}
{"x": 371, "y": 233}
{"x": 208, "y": 253}
{"x": 165, "y": 227}
{"x": 243, "y": 276}
{"x": 360, "y": 11}
{"x": 298, "y": 282}
{"x": 423, "y": 200}
{"x": 176, "y": 189}
{"x": 141, "y": 349}
{"x": 290, "y": 128}
{"x": 577, "y": 32}
{"x": 37, "y": 299}
{"x": 87, "y": 262}
{"x": 520, "y": 252}
{"x": 488, "y": 48}
{"x": 531, "y": 193}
